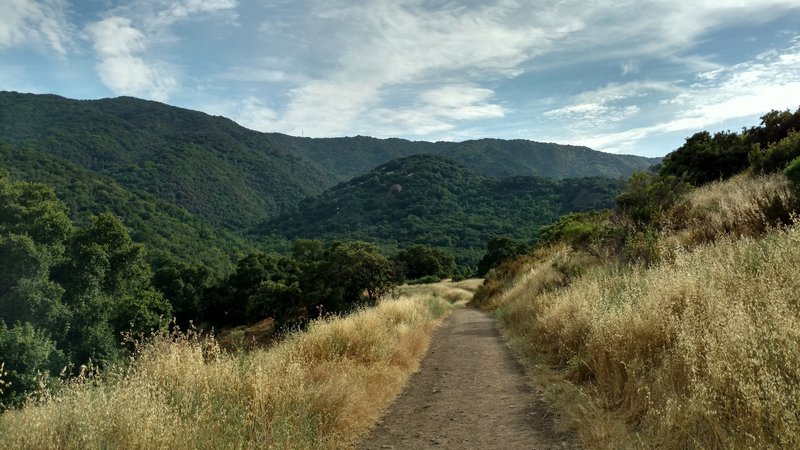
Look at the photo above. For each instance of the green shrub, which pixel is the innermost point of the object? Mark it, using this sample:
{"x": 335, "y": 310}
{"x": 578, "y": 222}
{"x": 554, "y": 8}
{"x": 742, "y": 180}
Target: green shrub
{"x": 792, "y": 172}
{"x": 777, "y": 156}
{"x": 647, "y": 198}
{"x": 26, "y": 354}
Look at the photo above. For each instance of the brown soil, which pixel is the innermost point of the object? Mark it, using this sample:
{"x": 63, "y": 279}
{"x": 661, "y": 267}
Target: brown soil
{"x": 470, "y": 393}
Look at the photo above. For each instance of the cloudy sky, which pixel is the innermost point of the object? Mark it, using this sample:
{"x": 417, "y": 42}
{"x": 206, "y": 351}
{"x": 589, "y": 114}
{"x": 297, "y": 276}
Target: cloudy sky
{"x": 622, "y": 76}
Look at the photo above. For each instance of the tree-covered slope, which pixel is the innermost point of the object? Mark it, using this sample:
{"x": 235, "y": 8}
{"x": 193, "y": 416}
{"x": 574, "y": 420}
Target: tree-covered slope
{"x": 224, "y": 173}
{"x": 168, "y": 231}
{"x": 435, "y": 201}
{"x": 353, "y": 156}
{"x": 235, "y": 177}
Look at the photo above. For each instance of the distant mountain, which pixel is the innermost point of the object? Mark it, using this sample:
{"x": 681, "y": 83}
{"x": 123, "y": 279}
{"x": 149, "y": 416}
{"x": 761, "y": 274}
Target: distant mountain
{"x": 233, "y": 177}
{"x": 435, "y": 201}
{"x": 212, "y": 167}
{"x": 352, "y": 156}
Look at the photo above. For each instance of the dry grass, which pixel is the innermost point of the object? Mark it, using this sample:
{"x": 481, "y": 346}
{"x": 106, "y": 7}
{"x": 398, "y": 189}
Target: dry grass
{"x": 743, "y": 206}
{"x": 320, "y": 388}
{"x": 455, "y": 292}
{"x": 700, "y": 352}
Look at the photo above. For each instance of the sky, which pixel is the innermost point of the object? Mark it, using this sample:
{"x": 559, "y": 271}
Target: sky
{"x": 621, "y": 76}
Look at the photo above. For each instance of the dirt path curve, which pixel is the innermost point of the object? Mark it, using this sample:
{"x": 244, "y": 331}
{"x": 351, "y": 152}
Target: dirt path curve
{"x": 470, "y": 393}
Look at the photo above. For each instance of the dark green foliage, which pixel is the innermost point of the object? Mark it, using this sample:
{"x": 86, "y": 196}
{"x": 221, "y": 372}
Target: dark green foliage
{"x": 433, "y": 201}
{"x": 581, "y": 230}
{"x": 418, "y": 261}
{"x": 704, "y": 158}
{"x": 185, "y": 286}
{"x": 360, "y": 271}
{"x": 774, "y": 127}
{"x": 67, "y": 293}
{"x": 233, "y": 177}
{"x": 26, "y": 355}
{"x": 792, "y": 172}
{"x": 351, "y": 157}
{"x": 647, "y": 197}
{"x": 500, "y": 250}
{"x": 778, "y": 155}
{"x": 225, "y": 174}
{"x": 168, "y": 231}
{"x": 319, "y": 279}
{"x": 228, "y": 303}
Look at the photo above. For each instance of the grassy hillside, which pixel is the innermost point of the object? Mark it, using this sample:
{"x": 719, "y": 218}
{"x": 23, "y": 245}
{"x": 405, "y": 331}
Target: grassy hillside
{"x": 697, "y": 351}
{"x": 672, "y": 321}
{"x": 432, "y": 200}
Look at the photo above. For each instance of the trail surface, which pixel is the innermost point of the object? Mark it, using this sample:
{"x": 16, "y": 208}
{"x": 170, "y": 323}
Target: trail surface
{"x": 470, "y": 393}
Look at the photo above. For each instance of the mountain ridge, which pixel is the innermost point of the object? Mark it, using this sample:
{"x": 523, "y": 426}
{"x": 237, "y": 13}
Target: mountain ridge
{"x": 235, "y": 177}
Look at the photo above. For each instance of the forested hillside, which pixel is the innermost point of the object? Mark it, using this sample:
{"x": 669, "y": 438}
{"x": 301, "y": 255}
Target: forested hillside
{"x": 169, "y": 231}
{"x": 437, "y": 202}
{"x": 353, "y": 156}
{"x": 233, "y": 177}
{"x": 226, "y": 174}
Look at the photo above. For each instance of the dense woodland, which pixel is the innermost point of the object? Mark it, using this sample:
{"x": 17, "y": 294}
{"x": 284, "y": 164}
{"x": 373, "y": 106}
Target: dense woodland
{"x": 235, "y": 178}
{"x": 434, "y": 201}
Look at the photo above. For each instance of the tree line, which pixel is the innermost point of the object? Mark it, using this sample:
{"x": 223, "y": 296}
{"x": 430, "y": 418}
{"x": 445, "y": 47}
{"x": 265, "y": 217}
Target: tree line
{"x": 74, "y": 294}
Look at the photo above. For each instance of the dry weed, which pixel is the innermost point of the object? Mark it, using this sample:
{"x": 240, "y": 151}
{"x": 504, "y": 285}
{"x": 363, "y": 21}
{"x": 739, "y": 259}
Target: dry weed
{"x": 700, "y": 352}
{"x": 317, "y": 389}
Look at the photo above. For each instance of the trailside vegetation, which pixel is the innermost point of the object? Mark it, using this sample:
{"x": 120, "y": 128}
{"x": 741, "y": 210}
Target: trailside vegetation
{"x": 320, "y": 388}
{"x": 672, "y": 317}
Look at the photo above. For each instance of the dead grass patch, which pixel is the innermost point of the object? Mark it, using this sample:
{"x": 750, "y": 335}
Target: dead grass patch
{"x": 320, "y": 388}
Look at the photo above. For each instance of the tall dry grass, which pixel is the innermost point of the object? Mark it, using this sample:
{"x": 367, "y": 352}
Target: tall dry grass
{"x": 317, "y": 389}
{"x": 455, "y": 292}
{"x": 699, "y": 352}
{"x": 743, "y": 206}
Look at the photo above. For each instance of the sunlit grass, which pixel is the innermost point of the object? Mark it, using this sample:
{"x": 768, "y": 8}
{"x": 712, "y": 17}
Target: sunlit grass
{"x": 320, "y": 388}
{"x": 701, "y": 352}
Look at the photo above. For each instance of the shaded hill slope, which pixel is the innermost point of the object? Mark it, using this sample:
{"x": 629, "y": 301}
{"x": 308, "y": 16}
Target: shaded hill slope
{"x": 222, "y": 172}
{"x": 432, "y": 200}
{"x": 353, "y": 156}
{"x": 167, "y": 230}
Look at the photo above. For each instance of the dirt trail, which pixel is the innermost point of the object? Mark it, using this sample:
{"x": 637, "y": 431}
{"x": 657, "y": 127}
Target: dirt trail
{"x": 470, "y": 393}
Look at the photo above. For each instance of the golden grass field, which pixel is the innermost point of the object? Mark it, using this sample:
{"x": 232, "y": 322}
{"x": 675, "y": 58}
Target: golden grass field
{"x": 699, "y": 351}
{"x": 321, "y": 388}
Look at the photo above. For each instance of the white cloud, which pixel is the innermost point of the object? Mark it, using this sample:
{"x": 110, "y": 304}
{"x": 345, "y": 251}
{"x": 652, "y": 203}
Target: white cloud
{"x": 177, "y": 10}
{"x": 630, "y": 67}
{"x": 117, "y": 44}
{"x": 37, "y": 22}
{"x": 401, "y": 45}
{"x": 116, "y": 36}
{"x": 367, "y": 52}
{"x": 265, "y": 70}
{"x": 121, "y": 47}
{"x": 746, "y": 90}
{"x": 434, "y": 111}
{"x": 250, "y": 112}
